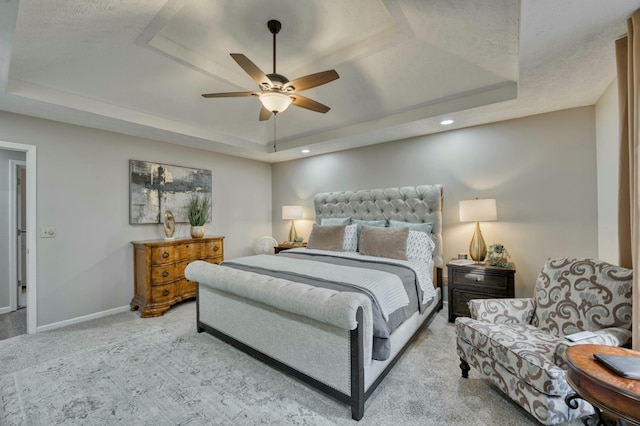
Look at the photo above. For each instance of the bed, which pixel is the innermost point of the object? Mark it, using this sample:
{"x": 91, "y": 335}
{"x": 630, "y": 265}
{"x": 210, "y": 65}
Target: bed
{"x": 293, "y": 312}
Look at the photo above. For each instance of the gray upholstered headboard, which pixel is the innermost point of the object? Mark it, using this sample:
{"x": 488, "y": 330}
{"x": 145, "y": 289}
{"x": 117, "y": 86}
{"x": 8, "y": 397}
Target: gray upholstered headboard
{"x": 408, "y": 203}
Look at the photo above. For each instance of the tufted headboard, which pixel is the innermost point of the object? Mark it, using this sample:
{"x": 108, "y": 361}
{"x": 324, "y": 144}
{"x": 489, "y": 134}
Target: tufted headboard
{"x": 408, "y": 204}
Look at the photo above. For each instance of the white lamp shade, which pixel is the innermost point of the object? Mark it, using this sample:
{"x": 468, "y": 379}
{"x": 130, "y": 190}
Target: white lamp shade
{"x": 275, "y": 101}
{"x": 478, "y": 210}
{"x": 291, "y": 212}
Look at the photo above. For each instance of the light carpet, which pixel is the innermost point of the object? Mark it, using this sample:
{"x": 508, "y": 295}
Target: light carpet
{"x": 124, "y": 370}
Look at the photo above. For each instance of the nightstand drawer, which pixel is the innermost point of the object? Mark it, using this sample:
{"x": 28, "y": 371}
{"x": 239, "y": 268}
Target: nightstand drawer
{"x": 478, "y": 281}
{"x": 479, "y": 278}
{"x": 459, "y": 302}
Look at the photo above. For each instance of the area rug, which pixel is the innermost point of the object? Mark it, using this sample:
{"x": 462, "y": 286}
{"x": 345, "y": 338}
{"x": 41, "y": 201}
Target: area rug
{"x": 154, "y": 378}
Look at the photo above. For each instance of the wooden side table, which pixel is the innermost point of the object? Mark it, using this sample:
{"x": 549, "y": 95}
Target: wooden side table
{"x": 477, "y": 281}
{"x": 600, "y": 386}
{"x": 284, "y": 246}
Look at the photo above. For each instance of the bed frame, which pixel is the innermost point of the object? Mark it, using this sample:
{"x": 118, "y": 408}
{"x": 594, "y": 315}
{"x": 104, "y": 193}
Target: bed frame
{"x": 326, "y": 355}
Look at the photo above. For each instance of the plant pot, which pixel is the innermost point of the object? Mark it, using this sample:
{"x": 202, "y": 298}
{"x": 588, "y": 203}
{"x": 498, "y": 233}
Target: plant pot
{"x": 197, "y": 231}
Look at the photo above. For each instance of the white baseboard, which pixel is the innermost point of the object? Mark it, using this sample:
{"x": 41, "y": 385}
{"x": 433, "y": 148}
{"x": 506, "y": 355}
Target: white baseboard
{"x": 83, "y": 318}
{"x": 5, "y": 310}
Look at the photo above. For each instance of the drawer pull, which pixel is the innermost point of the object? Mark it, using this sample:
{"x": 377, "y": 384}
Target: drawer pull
{"x": 165, "y": 274}
{"x": 216, "y": 248}
{"x": 165, "y": 293}
{"x": 165, "y": 255}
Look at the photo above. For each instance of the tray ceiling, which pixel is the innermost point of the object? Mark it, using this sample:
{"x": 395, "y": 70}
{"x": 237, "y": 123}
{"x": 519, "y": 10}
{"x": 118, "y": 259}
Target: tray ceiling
{"x": 139, "y": 67}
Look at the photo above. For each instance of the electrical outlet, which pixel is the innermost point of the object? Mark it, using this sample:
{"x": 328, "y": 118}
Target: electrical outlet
{"x": 47, "y": 232}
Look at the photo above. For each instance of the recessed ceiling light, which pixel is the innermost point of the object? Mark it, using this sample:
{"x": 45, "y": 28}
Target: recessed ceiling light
{"x": 447, "y": 122}
{"x": 305, "y": 151}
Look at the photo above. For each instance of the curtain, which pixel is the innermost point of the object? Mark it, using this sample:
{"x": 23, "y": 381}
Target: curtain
{"x": 628, "y": 65}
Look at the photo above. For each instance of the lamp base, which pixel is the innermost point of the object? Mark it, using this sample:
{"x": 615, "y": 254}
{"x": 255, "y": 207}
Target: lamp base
{"x": 478, "y": 248}
{"x": 293, "y": 234}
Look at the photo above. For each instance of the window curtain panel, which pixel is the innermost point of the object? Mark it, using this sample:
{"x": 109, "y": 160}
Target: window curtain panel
{"x": 628, "y": 66}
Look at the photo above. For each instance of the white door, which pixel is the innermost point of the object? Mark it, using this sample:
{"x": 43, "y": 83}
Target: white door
{"x": 21, "y": 217}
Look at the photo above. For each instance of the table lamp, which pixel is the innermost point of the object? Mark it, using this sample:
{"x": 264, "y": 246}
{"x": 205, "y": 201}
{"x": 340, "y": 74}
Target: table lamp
{"x": 292, "y": 213}
{"x": 478, "y": 211}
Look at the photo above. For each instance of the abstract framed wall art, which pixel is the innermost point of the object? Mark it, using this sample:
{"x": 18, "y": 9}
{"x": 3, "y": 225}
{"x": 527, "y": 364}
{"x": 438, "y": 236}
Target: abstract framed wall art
{"x": 155, "y": 188}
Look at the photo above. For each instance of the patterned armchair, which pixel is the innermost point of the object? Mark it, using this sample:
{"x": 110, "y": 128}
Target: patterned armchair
{"x": 519, "y": 343}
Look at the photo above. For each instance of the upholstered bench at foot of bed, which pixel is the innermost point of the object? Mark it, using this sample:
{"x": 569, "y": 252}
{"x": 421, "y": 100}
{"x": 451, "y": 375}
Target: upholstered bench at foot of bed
{"x": 305, "y": 329}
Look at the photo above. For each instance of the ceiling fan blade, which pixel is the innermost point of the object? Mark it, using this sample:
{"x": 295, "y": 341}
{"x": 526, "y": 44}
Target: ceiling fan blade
{"x": 312, "y": 80}
{"x": 251, "y": 69}
{"x": 265, "y": 114}
{"x": 230, "y": 94}
{"x": 302, "y": 102}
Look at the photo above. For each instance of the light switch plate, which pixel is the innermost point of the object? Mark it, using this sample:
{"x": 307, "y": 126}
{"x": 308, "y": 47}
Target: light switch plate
{"x": 47, "y": 232}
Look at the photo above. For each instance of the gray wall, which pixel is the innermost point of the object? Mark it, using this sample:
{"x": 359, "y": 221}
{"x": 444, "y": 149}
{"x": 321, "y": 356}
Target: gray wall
{"x": 83, "y": 191}
{"x": 608, "y": 153}
{"x": 5, "y": 286}
{"x": 541, "y": 169}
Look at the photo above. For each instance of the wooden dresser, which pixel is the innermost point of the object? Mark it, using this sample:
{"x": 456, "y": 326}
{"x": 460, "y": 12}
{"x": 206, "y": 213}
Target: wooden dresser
{"x": 159, "y": 265}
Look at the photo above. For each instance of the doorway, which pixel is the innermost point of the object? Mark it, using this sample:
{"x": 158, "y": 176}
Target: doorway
{"x": 22, "y": 217}
{"x": 18, "y": 205}
{"x": 21, "y": 229}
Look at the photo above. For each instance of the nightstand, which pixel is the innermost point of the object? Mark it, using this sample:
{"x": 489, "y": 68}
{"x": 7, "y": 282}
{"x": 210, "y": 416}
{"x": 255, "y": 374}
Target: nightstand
{"x": 284, "y": 246}
{"x": 477, "y": 281}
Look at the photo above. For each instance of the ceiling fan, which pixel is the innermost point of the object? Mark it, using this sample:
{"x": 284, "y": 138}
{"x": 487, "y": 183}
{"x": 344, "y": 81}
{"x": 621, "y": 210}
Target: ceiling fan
{"x": 276, "y": 91}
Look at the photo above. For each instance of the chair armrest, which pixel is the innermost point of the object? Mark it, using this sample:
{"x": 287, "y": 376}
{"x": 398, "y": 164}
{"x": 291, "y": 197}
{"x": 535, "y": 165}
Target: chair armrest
{"x": 511, "y": 311}
{"x": 612, "y": 336}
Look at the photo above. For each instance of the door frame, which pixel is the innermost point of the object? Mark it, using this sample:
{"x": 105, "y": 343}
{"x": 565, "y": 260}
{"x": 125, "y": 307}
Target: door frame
{"x": 30, "y": 150}
{"x": 13, "y": 232}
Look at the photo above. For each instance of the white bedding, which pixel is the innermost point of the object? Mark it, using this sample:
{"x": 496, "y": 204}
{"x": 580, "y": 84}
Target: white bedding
{"x": 385, "y": 288}
{"x": 422, "y": 268}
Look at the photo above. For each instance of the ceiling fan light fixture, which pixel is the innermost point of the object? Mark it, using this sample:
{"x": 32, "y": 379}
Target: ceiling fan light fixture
{"x": 275, "y": 102}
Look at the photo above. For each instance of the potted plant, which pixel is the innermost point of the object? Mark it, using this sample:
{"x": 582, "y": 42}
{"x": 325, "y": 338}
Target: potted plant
{"x": 198, "y": 213}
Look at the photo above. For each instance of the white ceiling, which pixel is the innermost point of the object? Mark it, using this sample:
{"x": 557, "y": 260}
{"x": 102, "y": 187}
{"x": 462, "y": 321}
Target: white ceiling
{"x": 138, "y": 67}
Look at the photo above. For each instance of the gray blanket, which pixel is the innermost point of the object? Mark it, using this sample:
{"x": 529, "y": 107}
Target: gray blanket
{"x": 381, "y": 328}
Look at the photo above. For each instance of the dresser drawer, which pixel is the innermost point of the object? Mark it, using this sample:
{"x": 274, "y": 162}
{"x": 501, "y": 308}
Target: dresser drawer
{"x": 160, "y": 255}
{"x": 182, "y": 289}
{"x": 169, "y": 272}
{"x": 195, "y": 250}
{"x": 480, "y": 278}
{"x": 162, "y": 293}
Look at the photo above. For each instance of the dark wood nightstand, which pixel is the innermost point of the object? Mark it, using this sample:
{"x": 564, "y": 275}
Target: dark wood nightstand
{"x": 477, "y": 281}
{"x": 284, "y": 246}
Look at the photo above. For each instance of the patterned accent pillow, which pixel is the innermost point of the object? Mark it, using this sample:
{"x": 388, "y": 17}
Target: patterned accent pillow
{"x": 419, "y": 246}
{"x": 350, "y": 242}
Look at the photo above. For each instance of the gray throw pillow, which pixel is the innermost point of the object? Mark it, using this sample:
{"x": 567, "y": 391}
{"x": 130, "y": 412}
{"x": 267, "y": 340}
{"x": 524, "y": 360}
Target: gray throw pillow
{"x": 326, "y": 237}
{"x": 335, "y": 221}
{"x": 384, "y": 242}
{"x": 425, "y": 227}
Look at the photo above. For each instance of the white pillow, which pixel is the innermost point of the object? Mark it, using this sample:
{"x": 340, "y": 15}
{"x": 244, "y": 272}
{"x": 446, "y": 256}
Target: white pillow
{"x": 419, "y": 246}
{"x": 350, "y": 242}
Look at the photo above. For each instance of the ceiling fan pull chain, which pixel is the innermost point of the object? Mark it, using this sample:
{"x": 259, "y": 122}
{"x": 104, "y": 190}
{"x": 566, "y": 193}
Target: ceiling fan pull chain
{"x": 275, "y": 115}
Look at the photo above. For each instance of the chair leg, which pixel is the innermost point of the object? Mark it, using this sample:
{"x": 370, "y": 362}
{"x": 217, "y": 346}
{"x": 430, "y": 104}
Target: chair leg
{"x": 464, "y": 366}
